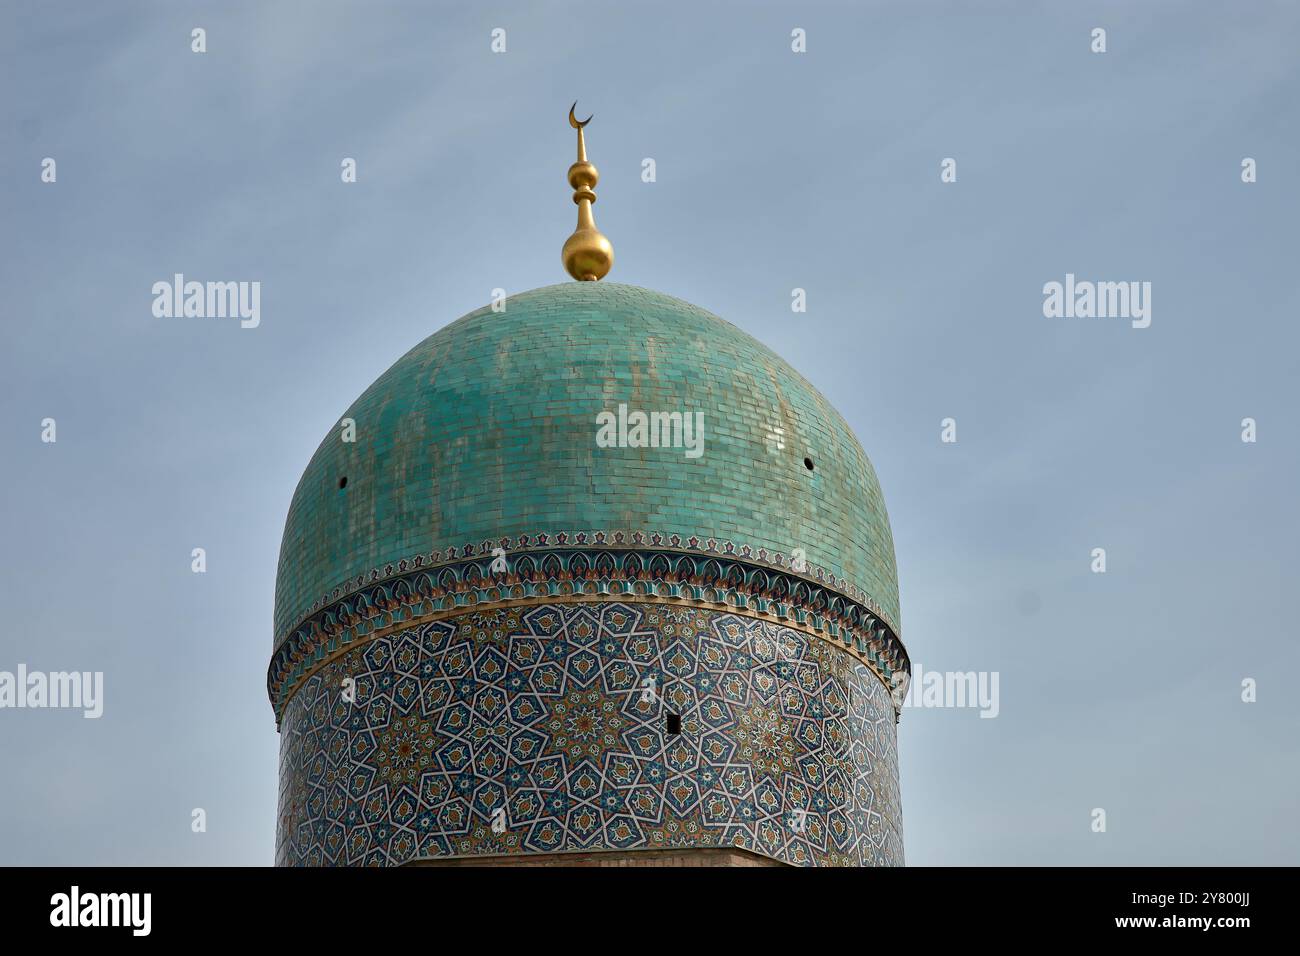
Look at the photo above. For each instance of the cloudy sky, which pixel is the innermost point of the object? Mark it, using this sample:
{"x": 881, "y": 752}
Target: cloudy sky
{"x": 775, "y": 170}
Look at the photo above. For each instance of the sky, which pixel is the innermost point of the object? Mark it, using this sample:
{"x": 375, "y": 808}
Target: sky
{"x": 775, "y": 170}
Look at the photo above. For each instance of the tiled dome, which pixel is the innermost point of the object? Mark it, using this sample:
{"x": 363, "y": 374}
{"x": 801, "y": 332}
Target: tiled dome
{"x": 487, "y": 430}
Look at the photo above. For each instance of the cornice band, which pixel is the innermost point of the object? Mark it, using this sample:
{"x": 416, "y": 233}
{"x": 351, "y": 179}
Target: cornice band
{"x": 590, "y": 567}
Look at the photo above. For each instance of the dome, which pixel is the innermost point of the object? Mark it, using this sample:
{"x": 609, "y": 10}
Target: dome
{"x": 588, "y": 577}
{"x": 487, "y": 432}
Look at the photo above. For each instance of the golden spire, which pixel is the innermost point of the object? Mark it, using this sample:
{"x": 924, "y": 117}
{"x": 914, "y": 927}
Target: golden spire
{"x": 587, "y": 253}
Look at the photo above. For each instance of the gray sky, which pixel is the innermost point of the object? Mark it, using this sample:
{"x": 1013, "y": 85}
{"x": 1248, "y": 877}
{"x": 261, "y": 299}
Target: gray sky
{"x": 775, "y": 170}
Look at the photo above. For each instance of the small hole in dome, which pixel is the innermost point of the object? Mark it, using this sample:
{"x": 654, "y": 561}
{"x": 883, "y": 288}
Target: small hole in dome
{"x": 343, "y": 482}
{"x": 807, "y": 463}
{"x": 674, "y": 723}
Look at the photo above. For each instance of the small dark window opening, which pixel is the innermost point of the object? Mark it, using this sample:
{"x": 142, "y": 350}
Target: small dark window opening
{"x": 343, "y": 482}
{"x": 807, "y": 463}
{"x": 674, "y": 723}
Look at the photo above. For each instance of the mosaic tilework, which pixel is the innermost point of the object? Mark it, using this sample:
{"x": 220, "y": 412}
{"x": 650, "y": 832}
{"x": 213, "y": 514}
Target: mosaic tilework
{"x": 487, "y": 429}
{"x": 600, "y": 566}
{"x": 544, "y": 712}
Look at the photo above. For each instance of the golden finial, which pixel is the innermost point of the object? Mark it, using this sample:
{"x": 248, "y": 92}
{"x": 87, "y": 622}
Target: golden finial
{"x": 587, "y": 254}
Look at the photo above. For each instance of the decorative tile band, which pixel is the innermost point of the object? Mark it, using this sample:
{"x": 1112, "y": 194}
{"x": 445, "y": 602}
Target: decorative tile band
{"x": 637, "y": 540}
{"x": 596, "y": 566}
{"x": 587, "y": 727}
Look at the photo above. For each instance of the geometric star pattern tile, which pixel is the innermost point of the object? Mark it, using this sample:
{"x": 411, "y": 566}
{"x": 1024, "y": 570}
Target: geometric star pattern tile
{"x": 546, "y": 729}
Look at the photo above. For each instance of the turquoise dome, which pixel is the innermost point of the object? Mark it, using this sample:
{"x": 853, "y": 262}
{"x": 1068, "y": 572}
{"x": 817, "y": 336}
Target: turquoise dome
{"x": 488, "y": 429}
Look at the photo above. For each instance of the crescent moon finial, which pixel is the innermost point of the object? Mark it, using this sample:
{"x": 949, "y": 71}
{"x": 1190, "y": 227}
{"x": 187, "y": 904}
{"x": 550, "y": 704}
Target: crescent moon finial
{"x": 574, "y": 121}
{"x": 587, "y": 254}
